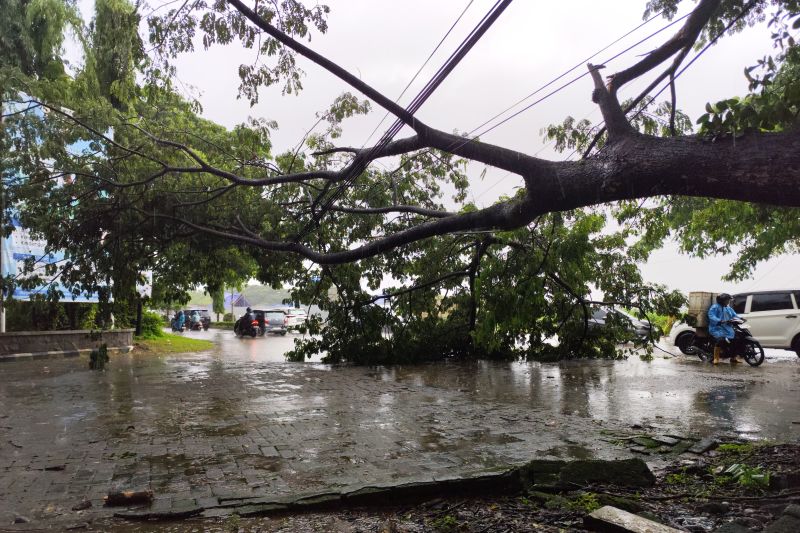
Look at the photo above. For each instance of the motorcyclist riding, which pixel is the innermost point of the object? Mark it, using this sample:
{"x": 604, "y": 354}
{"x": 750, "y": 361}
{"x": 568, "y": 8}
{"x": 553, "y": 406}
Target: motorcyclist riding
{"x": 719, "y": 316}
{"x": 177, "y": 322}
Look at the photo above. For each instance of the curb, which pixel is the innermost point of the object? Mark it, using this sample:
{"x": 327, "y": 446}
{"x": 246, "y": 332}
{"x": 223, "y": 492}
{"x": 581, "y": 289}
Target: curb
{"x": 60, "y": 354}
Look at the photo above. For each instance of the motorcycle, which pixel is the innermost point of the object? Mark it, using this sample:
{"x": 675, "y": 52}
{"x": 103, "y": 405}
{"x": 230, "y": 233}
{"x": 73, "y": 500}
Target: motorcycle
{"x": 246, "y": 326}
{"x": 177, "y": 324}
{"x": 743, "y": 344}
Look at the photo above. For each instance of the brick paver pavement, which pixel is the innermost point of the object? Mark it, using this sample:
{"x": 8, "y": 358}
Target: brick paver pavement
{"x": 200, "y": 428}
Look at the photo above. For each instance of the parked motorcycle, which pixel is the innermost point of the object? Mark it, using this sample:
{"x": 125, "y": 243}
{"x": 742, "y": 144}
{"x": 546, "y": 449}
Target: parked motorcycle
{"x": 743, "y": 344}
{"x": 246, "y": 326}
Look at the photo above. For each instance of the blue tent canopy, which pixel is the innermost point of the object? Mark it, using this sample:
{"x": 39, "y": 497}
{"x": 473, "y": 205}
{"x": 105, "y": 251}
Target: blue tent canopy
{"x": 238, "y": 300}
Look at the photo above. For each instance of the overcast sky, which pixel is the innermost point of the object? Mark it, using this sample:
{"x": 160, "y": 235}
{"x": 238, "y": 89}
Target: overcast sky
{"x": 385, "y": 43}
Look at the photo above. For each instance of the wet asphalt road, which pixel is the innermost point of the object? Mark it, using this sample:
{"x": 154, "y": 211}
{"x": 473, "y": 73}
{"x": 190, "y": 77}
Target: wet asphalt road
{"x": 239, "y": 420}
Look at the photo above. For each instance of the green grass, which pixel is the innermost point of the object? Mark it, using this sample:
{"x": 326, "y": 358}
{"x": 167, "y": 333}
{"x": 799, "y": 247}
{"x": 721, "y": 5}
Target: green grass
{"x": 736, "y": 448}
{"x": 170, "y": 343}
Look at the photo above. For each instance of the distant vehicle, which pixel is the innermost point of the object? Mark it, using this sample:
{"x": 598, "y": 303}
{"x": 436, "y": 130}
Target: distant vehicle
{"x": 274, "y": 320}
{"x": 248, "y": 324}
{"x": 640, "y": 329}
{"x": 295, "y": 317}
{"x": 205, "y": 319}
{"x": 773, "y": 317}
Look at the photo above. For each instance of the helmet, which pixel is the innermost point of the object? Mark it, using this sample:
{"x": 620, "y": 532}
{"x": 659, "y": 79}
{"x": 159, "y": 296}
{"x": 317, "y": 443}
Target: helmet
{"x": 249, "y": 310}
{"x": 724, "y": 298}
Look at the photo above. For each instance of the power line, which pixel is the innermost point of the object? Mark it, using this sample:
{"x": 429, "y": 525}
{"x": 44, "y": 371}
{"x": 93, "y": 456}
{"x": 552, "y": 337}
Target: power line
{"x": 360, "y": 161}
{"x": 576, "y": 66}
{"x": 573, "y": 80}
{"x": 565, "y": 85}
{"x": 436, "y": 49}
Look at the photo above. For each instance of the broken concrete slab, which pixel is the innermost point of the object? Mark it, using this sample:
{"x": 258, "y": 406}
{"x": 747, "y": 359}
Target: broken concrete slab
{"x": 173, "y": 513}
{"x": 612, "y": 520}
{"x": 682, "y": 446}
{"x": 647, "y": 442}
{"x": 640, "y": 449}
{"x": 540, "y": 472}
{"x": 664, "y": 439}
{"x": 623, "y": 473}
{"x": 704, "y": 445}
{"x": 260, "y": 509}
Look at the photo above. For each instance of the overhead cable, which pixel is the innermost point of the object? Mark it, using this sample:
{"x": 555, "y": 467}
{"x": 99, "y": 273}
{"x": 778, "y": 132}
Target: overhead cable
{"x": 361, "y": 160}
{"x": 413, "y": 79}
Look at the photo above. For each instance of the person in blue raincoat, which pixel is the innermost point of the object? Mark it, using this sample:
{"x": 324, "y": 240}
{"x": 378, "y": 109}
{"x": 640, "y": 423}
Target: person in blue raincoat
{"x": 719, "y": 316}
{"x": 177, "y": 322}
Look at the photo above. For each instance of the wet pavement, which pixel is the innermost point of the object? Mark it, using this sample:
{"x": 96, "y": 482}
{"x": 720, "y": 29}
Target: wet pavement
{"x": 238, "y": 421}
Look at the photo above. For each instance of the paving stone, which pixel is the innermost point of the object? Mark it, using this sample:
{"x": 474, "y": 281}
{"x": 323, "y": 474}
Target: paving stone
{"x": 664, "y": 439}
{"x": 200, "y": 422}
{"x": 704, "y": 446}
{"x": 613, "y": 520}
{"x": 682, "y": 447}
{"x": 640, "y": 450}
{"x": 260, "y": 509}
{"x": 647, "y": 442}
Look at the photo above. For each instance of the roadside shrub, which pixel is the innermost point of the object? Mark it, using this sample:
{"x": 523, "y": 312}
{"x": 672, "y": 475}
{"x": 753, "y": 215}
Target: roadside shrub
{"x": 151, "y": 325}
{"x": 228, "y": 317}
{"x": 664, "y": 323}
{"x": 89, "y": 319}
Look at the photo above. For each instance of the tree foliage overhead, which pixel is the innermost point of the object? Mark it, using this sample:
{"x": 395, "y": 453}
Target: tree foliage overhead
{"x": 159, "y": 187}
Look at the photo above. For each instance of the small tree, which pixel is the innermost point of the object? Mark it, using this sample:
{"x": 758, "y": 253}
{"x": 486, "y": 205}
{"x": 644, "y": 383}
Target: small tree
{"x": 218, "y": 301}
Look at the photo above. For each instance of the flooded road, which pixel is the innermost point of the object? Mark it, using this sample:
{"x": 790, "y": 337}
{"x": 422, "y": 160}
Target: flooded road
{"x": 240, "y": 421}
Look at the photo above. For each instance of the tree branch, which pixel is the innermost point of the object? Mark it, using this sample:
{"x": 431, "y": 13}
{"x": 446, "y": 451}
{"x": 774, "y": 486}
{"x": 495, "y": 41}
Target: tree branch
{"x": 763, "y": 168}
{"x": 330, "y": 66}
{"x": 435, "y": 213}
{"x": 686, "y": 36}
{"x": 615, "y": 119}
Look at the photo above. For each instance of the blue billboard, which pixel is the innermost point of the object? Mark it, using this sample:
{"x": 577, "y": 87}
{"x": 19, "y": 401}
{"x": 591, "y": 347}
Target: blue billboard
{"x": 21, "y": 248}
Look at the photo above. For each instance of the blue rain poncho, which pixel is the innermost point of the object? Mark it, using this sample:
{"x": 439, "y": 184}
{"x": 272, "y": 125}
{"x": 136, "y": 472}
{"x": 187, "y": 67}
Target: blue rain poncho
{"x": 716, "y": 315}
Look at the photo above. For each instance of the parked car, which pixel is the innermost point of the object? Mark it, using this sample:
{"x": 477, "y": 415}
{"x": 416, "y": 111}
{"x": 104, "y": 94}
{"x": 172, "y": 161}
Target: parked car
{"x": 295, "y": 317}
{"x": 773, "y": 317}
{"x": 205, "y": 318}
{"x": 638, "y": 328}
{"x": 275, "y": 320}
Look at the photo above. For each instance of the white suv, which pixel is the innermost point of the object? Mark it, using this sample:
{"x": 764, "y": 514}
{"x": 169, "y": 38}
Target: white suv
{"x": 773, "y": 317}
{"x": 294, "y": 317}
